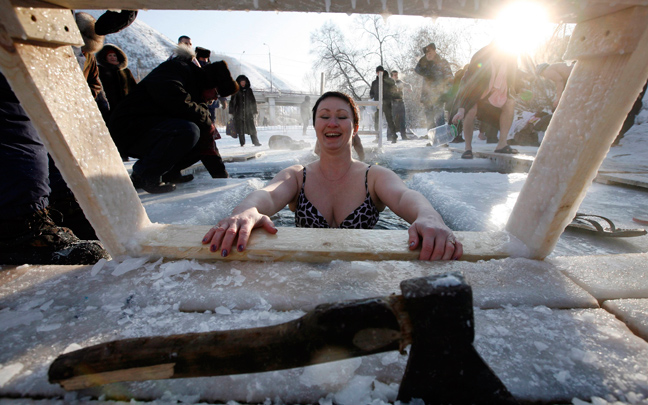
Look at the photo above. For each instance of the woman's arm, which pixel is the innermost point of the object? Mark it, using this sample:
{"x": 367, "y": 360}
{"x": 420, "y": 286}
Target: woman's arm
{"x": 438, "y": 242}
{"x": 253, "y": 212}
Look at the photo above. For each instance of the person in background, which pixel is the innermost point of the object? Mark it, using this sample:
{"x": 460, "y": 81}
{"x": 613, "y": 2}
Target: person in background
{"x": 437, "y": 79}
{"x": 116, "y": 79}
{"x": 202, "y": 56}
{"x": 184, "y": 41}
{"x": 336, "y": 191}
{"x": 304, "y": 111}
{"x": 451, "y": 103}
{"x": 630, "y": 118}
{"x": 557, "y": 73}
{"x": 398, "y": 105}
{"x": 243, "y": 108}
{"x": 165, "y": 121}
{"x": 487, "y": 92}
{"x": 389, "y": 92}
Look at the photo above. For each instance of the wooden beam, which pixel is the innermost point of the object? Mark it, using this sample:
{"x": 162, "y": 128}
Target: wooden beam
{"x": 315, "y": 245}
{"x": 558, "y": 11}
{"x": 45, "y": 26}
{"x": 596, "y": 100}
{"x": 51, "y": 88}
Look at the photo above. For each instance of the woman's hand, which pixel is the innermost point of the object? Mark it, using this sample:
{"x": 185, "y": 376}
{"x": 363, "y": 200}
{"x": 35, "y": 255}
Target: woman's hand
{"x": 458, "y": 116}
{"x": 221, "y": 237}
{"x": 439, "y": 243}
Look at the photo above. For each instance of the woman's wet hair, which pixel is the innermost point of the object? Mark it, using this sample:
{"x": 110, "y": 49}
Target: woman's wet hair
{"x": 341, "y": 96}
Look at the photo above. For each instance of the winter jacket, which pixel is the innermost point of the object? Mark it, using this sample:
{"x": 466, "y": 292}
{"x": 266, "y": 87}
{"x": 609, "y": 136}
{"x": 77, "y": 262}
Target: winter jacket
{"x": 243, "y": 104}
{"x": 390, "y": 91}
{"x": 437, "y": 77}
{"x": 171, "y": 90}
{"x": 117, "y": 80}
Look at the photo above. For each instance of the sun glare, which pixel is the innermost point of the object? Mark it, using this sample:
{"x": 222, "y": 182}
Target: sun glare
{"x": 521, "y": 27}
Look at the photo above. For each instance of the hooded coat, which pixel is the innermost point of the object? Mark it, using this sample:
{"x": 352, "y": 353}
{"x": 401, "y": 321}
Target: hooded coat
{"x": 171, "y": 90}
{"x": 117, "y": 80}
{"x": 243, "y": 107}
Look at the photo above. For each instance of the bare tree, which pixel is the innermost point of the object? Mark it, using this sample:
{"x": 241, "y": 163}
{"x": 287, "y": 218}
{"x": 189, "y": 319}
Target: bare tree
{"x": 341, "y": 62}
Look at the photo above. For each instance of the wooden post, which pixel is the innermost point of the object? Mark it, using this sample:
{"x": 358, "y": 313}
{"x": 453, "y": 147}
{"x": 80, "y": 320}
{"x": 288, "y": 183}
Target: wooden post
{"x": 42, "y": 70}
{"x": 611, "y": 70}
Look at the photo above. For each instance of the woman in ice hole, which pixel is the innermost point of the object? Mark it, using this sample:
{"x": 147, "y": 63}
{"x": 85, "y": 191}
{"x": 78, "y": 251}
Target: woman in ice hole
{"x": 337, "y": 192}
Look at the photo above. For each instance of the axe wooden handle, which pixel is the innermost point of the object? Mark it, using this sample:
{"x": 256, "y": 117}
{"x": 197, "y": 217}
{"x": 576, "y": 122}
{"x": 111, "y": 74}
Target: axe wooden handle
{"x": 329, "y": 332}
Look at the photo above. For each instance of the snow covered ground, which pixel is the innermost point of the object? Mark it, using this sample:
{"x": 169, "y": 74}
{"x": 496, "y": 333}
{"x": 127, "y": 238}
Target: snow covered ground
{"x": 570, "y": 329}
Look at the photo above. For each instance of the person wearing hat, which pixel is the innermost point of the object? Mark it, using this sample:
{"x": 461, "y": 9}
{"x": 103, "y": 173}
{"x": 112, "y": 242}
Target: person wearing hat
{"x": 390, "y": 91}
{"x": 165, "y": 121}
{"x": 243, "y": 109}
{"x": 203, "y": 55}
{"x": 437, "y": 81}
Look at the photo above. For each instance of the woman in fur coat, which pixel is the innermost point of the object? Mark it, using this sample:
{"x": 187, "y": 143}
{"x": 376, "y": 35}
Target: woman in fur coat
{"x": 116, "y": 78}
{"x": 243, "y": 107}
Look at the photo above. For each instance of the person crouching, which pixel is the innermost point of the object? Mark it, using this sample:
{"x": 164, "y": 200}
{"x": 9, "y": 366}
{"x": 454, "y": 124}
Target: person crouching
{"x": 165, "y": 120}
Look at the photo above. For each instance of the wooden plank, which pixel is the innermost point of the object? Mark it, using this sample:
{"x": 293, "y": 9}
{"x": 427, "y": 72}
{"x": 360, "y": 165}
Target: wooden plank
{"x": 315, "y": 245}
{"x": 559, "y": 11}
{"x": 614, "y": 34}
{"x": 597, "y": 97}
{"x": 47, "y": 26}
{"x": 629, "y": 179}
{"x": 50, "y": 86}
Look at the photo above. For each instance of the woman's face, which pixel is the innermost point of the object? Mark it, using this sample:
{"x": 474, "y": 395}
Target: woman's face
{"x": 334, "y": 124}
{"x": 111, "y": 58}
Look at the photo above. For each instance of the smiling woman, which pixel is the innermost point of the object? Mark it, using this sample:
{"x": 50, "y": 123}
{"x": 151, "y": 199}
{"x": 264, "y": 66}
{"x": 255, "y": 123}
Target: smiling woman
{"x": 340, "y": 193}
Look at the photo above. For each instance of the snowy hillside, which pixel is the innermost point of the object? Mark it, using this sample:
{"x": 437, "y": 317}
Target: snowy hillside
{"x": 146, "y": 48}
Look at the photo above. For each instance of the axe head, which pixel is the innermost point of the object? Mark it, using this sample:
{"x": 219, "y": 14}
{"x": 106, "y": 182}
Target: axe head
{"x": 443, "y": 366}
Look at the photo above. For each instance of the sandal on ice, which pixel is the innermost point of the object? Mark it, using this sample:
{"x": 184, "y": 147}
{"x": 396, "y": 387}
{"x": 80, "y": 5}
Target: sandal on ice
{"x": 601, "y": 226}
{"x": 641, "y": 221}
{"x": 507, "y": 149}
{"x": 467, "y": 155}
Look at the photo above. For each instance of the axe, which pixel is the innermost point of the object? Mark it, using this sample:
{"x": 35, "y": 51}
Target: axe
{"x": 434, "y": 315}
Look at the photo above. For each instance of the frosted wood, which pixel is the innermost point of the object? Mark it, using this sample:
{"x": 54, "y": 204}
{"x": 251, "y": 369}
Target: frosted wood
{"x": 51, "y": 87}
{"x": 52, "y": 26}
{"x": 564, "y": 11}
{"x": 614, "y": 34}
{"x": 596, "y": 100}
{"x": 313, "y": 245}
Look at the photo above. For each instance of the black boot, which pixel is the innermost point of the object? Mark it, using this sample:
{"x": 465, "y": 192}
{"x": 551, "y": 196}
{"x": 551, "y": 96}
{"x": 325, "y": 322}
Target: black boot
{"x": 72, "y": 217}
{"x": 152, "y": 185}
{"x": 36, "y": 239}
{"x": 176, "y": 177}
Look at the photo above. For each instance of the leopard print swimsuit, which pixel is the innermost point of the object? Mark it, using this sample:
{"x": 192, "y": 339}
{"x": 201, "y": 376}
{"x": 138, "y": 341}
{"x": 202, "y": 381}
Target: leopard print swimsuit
{"x": 363, "y": 217}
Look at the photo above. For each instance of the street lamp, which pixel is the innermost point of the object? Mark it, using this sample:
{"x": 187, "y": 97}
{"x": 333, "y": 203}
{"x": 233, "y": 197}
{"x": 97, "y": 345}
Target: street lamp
{"x": 270, "y": 63}
{"x": 240, "y": 61}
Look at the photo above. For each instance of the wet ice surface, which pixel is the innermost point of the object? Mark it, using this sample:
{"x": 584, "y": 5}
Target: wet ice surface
{"x": 561, "y": 353}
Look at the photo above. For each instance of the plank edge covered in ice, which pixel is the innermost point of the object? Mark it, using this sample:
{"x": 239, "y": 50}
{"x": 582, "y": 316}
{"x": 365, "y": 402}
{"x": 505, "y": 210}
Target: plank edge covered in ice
{"x": 312, "y": 245}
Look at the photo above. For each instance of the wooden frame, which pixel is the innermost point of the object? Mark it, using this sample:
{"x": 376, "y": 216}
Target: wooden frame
{"x": 47, "y": 80}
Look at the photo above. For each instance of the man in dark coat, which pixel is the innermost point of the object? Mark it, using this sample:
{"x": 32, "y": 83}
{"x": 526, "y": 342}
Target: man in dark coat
{"x": 243, "y": 108}
{"x": 437, "y": 80}
{"x": 165, "y": 121}
{"x": 390, "y": 91}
